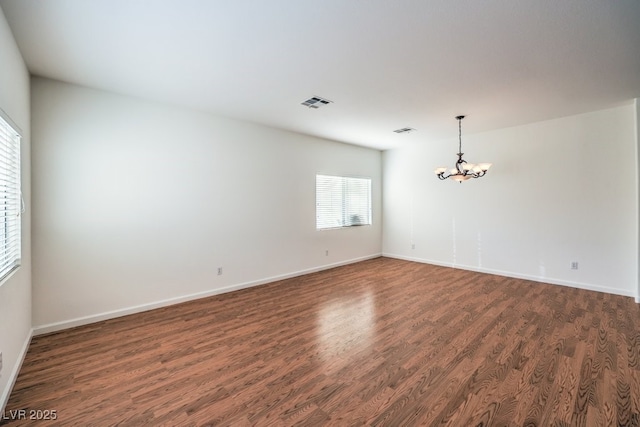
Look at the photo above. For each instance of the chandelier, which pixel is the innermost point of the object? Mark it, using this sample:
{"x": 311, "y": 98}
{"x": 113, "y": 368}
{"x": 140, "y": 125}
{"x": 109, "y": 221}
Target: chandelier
{"x": 463, "y": 170}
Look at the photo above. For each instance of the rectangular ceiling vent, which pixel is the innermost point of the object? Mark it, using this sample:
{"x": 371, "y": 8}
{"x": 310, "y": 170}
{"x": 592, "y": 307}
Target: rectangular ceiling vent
{"x": 404, "y": 130}
{"x": 316, "y": 102}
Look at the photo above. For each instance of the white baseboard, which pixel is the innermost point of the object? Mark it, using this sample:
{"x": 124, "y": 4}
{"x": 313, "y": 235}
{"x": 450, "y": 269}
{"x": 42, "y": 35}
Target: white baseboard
{"x": 552, "y": 281}
{"x": 4, "y": 398}
{"x": 58, "y": 326}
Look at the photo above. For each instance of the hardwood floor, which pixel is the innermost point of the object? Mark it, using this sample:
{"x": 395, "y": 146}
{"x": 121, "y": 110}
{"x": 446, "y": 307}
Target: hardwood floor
{"x": 381, "y": 342}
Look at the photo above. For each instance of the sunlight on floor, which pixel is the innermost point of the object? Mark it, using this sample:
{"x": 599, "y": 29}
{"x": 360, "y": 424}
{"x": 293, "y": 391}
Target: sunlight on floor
{"x": 346, "y": 325}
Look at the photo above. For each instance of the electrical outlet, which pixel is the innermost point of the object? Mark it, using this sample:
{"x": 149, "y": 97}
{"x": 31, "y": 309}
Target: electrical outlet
{"x": 326, "y": 253}
{"x": 574, "y": 265}
{"x": 413, "y": 246}
{"x": 219, "y": 271}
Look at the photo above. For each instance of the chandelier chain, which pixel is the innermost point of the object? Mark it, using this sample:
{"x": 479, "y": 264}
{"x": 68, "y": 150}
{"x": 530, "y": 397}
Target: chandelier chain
{"x": 459, "y": 135}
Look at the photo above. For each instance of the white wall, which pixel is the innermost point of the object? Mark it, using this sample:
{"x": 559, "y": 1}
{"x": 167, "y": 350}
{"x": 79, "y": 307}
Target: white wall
{"x": 636, "y": 104}
{"x": 15, "y": 292}
{"x": 559, "y": 191}
{"x": 137, "y": 204}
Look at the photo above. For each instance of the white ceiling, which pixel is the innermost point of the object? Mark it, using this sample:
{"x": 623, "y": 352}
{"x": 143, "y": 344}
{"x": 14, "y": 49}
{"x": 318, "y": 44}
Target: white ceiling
{"x": 386, "y": 64}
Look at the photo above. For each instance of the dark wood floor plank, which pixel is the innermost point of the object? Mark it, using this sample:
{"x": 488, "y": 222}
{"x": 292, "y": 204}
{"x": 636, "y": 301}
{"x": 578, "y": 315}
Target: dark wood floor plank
{"x": 383, "y": 342}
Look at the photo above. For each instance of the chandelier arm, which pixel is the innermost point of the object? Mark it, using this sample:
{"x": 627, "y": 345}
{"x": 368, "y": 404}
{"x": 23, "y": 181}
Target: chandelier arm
{"x": 460, "y": 162}
{"x": 442, "y": 176}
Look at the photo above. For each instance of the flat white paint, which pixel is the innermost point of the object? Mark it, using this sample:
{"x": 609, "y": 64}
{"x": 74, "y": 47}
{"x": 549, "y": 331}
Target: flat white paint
{"x": 385, "y": 64}
{"x": 137, "y": 203}
{"x": 636, "y": 104}
{"x": 559, "y": 191}
{"x": 15, "y": 291}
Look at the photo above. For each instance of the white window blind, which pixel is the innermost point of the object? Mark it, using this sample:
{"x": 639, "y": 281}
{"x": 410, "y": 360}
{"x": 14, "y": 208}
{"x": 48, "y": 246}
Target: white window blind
{"x": 10, "y": 199}
{"x": 342, "y": 201}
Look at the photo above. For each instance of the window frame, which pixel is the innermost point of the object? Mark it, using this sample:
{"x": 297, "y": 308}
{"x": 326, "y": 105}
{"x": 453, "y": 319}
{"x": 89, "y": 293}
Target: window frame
{"x": 11, "y": 197}
{"x": 346, "y": 223}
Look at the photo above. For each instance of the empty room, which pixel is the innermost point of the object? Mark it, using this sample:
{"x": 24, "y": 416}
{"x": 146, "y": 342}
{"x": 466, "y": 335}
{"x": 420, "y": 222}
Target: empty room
{"x": 341, "y": 213}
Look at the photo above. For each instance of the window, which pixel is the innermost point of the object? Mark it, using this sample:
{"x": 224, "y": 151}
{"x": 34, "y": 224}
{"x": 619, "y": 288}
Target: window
{"x": 342, "y": 201}
{"x": 10, "y": 199}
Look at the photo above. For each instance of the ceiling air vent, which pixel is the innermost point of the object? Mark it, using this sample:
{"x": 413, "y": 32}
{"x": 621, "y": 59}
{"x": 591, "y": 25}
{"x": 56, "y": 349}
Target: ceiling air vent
{"x": 316, "y": 102}
{"x": 404, "y": 130}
